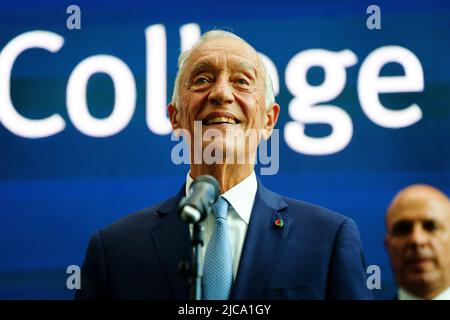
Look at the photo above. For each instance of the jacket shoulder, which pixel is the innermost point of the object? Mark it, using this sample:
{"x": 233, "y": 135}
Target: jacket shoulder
{"x": 303, "y": 211}
{"x": 135, "y": 222}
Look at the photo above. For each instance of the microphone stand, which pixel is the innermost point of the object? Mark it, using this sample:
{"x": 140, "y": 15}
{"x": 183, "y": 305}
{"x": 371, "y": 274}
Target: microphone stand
{"x": 193, "y": 208}
{"x": 194, "y": 270}
{"x": 197, "y": 266}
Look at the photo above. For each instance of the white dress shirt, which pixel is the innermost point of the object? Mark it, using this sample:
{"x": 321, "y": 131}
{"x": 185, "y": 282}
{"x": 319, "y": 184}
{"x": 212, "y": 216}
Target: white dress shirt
{"x": 241, "y": 198}
{"x": 405, "y": 295}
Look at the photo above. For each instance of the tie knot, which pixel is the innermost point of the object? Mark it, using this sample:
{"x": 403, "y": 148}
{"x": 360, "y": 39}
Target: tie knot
{"x": 220, "y": 208}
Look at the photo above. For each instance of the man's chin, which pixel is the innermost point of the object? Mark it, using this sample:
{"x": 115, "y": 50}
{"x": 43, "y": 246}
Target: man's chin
{"x": 221, "y": 152}
{"x": 421, "y": 279}
{"x": 419, "y": 266}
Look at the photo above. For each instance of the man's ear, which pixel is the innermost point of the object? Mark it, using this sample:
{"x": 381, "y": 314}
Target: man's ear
{"x": 270, "y": 120}
{"x": 173, "y": 116}
{"x": 386, "y": 241}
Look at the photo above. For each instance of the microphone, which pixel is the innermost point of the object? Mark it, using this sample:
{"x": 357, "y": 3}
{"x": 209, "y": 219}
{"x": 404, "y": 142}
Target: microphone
{"x": 203, "y": 192}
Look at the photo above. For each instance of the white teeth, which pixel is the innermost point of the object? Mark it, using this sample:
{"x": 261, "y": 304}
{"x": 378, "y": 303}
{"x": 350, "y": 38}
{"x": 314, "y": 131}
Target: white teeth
{"x": 220, "y": 120}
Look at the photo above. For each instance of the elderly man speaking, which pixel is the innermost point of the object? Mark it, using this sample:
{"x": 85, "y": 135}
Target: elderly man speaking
{"x": 258, "y": 244}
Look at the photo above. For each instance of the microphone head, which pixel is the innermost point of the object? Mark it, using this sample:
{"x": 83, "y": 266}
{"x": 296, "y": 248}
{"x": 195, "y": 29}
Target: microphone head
{"x": 207, "y": 179}
{"x": 203, "y": 192}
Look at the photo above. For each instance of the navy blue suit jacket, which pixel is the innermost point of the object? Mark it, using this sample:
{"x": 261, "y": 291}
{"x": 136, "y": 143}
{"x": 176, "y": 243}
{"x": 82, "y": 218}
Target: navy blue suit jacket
{"x": 317, "y": 254}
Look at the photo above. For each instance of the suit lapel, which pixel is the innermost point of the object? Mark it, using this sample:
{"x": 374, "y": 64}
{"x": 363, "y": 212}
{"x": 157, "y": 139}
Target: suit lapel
{"x": 172, "y": 241}
{"x": 262, "y": 246}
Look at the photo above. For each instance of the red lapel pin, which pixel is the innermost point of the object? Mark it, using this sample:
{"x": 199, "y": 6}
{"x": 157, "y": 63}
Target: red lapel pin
{"x": 279, "y": 223}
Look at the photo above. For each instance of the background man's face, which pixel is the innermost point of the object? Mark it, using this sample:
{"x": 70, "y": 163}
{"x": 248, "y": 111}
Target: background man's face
{"x": 418, "y": 242}
{"x": 223, "y": 86}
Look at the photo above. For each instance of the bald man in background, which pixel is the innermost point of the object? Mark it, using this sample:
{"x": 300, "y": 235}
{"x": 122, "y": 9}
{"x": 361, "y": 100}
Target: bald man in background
{"x": 418, "y": 242}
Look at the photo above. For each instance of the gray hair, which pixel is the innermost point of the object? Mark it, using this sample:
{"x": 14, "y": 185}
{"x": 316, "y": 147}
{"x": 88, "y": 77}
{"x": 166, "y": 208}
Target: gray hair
{"x": 184, "y": 56}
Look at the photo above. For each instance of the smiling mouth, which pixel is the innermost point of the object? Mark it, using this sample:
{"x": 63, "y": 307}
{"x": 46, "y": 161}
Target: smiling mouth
{"x": 419, "y": 260}
{"x": 220, "y": 118}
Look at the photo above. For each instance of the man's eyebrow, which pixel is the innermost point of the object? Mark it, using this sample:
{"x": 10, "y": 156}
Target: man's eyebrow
{"x": 206, "y": 65}
{"x": 249, "y": 67}
{"x": 401, "y": 221}
{"x": 200, "y": 67}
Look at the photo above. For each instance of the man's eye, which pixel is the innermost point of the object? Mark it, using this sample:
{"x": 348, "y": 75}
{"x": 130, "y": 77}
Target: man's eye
{"x": 430, "y": 225}
{"x": 201, "y": 80}
{"x": 402, "y": 228}
{"x": 243, "y": 81}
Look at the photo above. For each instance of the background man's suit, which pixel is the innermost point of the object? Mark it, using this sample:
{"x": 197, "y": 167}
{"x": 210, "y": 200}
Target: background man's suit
{"x": 316, "y": 254}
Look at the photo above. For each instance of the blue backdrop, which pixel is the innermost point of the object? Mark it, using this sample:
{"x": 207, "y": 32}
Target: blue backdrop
{"x": 56, "y": 191}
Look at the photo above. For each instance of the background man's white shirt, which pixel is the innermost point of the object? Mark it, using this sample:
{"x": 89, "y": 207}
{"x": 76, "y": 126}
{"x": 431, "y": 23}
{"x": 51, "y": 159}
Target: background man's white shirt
{"x": 405, "y": 295}
{"x": 241, "y": 198}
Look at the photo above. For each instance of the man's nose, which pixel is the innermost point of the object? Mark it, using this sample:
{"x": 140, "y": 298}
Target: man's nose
{"x": 221, "y": 92}
{"x": 419, "y": 236}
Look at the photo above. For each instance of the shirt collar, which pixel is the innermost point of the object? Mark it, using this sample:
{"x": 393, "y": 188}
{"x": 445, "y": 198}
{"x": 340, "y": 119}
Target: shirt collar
{"x": 241, "y": 196}
{"x": 405, "y": 295}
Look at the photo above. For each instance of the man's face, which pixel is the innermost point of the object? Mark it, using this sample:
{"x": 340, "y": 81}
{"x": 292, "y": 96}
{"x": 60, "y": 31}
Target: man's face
{"x": 223, "y": 86}
{"x": 418, "y": 242}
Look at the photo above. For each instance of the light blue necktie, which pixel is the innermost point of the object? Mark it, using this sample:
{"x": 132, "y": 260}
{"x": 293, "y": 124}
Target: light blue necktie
{"x": 218, "y": 267}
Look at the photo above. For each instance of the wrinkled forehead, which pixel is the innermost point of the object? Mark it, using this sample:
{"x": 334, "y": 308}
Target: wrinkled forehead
{"x": 224, "y": 52}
